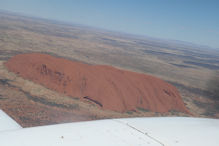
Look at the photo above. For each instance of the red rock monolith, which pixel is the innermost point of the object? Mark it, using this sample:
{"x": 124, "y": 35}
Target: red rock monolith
{"x": 106, "y": 86}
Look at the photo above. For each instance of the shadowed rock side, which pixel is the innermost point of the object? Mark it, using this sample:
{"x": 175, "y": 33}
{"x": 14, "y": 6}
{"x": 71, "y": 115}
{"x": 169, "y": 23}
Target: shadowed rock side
{"x": 108, "y": 87}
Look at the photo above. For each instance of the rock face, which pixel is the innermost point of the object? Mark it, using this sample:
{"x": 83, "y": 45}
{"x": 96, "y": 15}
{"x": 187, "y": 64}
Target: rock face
{"x": 106, "y": 86}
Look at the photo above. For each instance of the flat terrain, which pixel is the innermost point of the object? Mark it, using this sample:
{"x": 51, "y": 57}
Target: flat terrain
{"x": 191, "y": 68}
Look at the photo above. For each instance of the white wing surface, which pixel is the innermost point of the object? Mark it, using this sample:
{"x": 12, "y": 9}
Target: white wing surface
{"x": 119, "y": 132}
{"x": 7, "y": 123}
{"x": 178, "y": 131}
{"x": 95, "y": 133}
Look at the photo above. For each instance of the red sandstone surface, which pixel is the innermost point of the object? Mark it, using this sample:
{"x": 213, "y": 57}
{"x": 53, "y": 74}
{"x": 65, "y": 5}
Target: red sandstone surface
{"x": 106, "y": 86}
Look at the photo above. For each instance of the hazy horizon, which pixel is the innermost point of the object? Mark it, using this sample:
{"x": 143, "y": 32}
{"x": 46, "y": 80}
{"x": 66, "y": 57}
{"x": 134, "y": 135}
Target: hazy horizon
{"x": 183, "y": 21}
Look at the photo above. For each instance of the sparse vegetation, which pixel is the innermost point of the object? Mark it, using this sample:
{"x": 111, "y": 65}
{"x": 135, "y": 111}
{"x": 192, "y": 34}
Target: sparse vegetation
{"x": 185, "y": 67}
{"x": 213, "y": 86}
{"x": 143, "y": 109}
{"x": 129, "y": 112}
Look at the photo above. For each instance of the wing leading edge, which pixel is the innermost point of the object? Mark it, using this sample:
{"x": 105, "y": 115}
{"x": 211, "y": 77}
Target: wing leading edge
{"x": 7, "y": 123}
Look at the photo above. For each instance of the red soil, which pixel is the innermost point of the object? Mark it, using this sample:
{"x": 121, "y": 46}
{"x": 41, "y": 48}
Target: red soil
{"x": 108, "y": 87}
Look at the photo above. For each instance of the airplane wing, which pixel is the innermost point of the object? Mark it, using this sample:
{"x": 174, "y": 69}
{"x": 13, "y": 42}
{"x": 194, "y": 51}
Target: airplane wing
{"x": 7, "y": 123}
{"x": 178, "y": 131}
{"x": 171, "y": 131}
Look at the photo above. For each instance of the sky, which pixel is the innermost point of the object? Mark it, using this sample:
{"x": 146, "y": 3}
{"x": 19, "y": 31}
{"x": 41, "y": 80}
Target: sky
{"x": 195, "y": 21}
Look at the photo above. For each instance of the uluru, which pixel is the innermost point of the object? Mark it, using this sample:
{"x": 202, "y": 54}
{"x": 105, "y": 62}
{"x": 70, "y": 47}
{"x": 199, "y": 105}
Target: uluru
{"x": 108, "y": 87}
